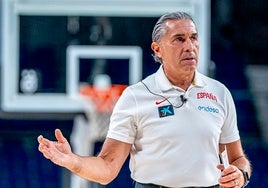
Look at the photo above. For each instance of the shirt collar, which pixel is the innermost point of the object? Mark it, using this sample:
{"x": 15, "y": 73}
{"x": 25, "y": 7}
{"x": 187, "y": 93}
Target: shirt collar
{"x": 198, "y": 80}
{"x": 162, "y": 81}
{"x": 165, "y": 85}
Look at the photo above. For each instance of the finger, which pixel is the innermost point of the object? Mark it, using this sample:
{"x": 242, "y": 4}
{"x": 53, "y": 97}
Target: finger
{"x": 230, "y": 180}
{"x": 40, "y": 138}
{"x": 60, "y": 136}
{"x": 220, "y": 166}
{"x": 43, "y": 141}
{"x": 42, "y": 147}
{"x": 54, "y": 155}
{"x": 236, "y": 182}
{"x": 48, "y": 154}
{"x": 229, "y": 170}
{"x": 45, "y": 152}
{"x": 230, "y": 184}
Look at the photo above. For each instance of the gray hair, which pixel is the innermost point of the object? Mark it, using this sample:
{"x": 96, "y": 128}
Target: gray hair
{"x": 160, "y": 29}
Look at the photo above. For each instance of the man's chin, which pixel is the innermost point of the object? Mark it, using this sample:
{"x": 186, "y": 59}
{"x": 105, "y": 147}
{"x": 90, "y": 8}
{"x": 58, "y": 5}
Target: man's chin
{"x": 190, "y": 66}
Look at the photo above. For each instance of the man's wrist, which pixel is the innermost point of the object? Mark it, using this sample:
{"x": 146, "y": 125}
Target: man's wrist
{"x": 74, "y": 164}
{"x": 246, "y": 177}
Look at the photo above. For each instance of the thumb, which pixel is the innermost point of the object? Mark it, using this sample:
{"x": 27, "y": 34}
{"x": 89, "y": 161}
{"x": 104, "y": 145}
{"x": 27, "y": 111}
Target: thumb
{"x": 220, "y": 166}
{"x": 59, "y": 136}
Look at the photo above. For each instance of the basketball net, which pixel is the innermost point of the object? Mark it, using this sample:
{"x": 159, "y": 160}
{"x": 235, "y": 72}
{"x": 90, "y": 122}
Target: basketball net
{"x": 100, "y": 99}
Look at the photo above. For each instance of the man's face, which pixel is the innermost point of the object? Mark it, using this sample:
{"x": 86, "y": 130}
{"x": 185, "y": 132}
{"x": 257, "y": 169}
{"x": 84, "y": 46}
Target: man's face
{"x": 179, "y": 46}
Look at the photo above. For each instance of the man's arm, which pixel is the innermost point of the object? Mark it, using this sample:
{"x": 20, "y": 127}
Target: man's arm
{"x": 102, "y": 169}
{"x": 232, "y": 176}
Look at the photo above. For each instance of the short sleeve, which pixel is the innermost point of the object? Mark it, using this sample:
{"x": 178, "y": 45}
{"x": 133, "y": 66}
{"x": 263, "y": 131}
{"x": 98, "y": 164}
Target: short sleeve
{"x": 230, "y": 131}
{"x": 122, "y": 122}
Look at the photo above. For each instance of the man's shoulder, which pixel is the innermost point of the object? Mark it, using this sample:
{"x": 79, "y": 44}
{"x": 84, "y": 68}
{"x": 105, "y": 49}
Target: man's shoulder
{"x": 211, "y": 81}
{"x": 141, "y": 86}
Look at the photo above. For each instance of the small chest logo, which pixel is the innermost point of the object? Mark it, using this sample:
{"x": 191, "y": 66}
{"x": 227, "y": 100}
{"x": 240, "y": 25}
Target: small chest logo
{"x": 165, "y": 111}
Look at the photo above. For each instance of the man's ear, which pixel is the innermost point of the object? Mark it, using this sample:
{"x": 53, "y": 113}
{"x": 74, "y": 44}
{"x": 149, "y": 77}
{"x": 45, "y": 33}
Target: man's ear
{"x": 156, "y": 48}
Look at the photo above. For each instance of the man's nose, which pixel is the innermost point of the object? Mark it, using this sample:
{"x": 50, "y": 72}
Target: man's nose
{"x": 188, "y": 45}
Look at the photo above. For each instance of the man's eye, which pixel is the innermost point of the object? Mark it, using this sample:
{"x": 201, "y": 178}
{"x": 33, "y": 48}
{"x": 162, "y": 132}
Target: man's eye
{"x": 180, "y": 39}
{"x": 195, "y": 37}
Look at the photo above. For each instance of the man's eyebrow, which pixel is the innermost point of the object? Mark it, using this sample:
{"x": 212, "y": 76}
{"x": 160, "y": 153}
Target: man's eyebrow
{"x": 179, "y": 35}
{"x": 182, "y": 35}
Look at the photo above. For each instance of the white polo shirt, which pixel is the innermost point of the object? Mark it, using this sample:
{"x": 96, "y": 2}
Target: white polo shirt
{"x": 175, "y": 146}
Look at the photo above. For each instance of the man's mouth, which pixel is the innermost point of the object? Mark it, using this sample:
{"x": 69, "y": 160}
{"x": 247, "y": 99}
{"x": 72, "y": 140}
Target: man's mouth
{"x": 190, "y": 59}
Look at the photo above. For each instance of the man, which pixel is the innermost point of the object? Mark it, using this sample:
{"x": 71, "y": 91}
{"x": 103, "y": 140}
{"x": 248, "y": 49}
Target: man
{"x": 174, "y": 123}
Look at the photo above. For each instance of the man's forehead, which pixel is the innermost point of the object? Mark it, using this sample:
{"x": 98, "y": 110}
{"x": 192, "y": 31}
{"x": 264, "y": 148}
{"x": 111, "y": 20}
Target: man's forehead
{"x": 183, "y": 25}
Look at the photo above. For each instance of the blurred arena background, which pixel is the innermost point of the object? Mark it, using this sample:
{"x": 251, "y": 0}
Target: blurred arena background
{"x": 237, "y": 48}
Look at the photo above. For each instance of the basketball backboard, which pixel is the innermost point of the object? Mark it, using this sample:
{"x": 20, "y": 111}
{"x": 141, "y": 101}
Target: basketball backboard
{"x": 48, "y": 51}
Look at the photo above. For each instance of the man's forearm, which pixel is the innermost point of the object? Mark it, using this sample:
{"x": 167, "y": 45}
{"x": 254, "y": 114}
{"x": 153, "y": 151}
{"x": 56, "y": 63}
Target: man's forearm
{"x": 91, "y": 168}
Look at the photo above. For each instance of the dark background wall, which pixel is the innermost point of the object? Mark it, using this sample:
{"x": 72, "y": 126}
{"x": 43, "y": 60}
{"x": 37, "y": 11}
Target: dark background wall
{"x": 239, "y": 35}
